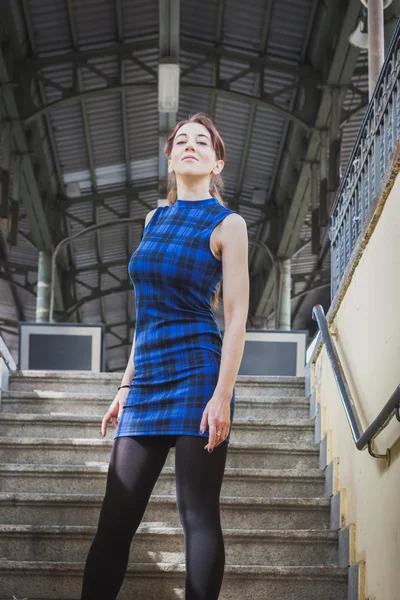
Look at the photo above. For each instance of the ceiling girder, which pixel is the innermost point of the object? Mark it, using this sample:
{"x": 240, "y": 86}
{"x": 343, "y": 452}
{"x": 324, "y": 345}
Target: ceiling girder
{"x": 219, "y": 32}
{"x": 30, "y": 192}
{"x": 97, "y": 294}
{"x": 340, "y": 73}
{"x": 271, "y": 200}
{"x": 220, "y": 90}
{"x": 258, "y": 88}
{"x": 78, "y": 81}
{"x": 127, "y": 50}
{"x": 133, "y": 192}
{"x": 304, "y": 74}
{"x": 128, "y": 173}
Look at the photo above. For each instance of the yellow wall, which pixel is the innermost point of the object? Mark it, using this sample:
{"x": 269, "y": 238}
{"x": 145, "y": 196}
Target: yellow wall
{"x": 368, "y": 344}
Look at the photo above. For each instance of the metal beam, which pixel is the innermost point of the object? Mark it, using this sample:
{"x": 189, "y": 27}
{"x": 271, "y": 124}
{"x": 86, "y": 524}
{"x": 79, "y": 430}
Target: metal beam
{"x": 101, "y": 197}
{"x": 169, "y": 45}
{"x": 30, "y": 191}
{"x": 29, "y": 66}
{"x": 49, "y": 126}
{"x": 219, "y": 90}
{"x": 128, "y": 173}
{"x": 96, "y": 295}
{"x": 284, "y": 136}
{"x": 219, "y": 32}
{"x": 340, "y": 73}
{"x": 257, "y": 89}
{"x": 88, "y": 141}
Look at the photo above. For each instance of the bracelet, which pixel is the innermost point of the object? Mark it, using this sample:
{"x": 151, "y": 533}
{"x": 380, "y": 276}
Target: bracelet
{"x": 124, "y": 386}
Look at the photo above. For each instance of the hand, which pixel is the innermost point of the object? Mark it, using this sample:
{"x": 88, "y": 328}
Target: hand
{"x": 115, "y": 410}
{"x": 217, "y": 415}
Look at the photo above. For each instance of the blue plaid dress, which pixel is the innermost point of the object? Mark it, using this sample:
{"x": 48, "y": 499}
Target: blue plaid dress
{"x": 178, "y": 341}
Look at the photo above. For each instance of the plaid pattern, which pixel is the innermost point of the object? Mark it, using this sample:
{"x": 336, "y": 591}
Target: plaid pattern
{"x": 178, "y": 340}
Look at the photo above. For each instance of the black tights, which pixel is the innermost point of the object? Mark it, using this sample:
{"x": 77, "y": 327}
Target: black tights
{"x": 135, "y": 465}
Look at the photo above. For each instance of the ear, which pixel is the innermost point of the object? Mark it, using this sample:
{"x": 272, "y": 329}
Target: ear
{"x": 218, "y": 167}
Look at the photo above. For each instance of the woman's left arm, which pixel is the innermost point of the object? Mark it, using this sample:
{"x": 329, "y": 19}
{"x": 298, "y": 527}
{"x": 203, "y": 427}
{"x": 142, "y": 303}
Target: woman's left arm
{"x": 236, "y": 288}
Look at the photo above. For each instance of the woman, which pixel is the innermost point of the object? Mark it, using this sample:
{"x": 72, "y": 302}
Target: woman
{"x": 179, "y": 389}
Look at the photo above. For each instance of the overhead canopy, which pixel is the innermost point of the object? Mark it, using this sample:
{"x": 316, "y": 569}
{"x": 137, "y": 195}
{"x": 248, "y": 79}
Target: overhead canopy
{"x": 79, "y": 104}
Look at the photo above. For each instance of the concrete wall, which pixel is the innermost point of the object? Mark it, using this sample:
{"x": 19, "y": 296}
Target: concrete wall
{"x": 368, "y": 344}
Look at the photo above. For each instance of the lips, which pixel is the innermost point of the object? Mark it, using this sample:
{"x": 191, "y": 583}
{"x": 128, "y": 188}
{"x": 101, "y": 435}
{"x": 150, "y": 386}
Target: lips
{"x": 186, "y": 157}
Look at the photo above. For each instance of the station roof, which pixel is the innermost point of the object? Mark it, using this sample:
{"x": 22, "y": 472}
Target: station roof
{"x": 79, "y": 108}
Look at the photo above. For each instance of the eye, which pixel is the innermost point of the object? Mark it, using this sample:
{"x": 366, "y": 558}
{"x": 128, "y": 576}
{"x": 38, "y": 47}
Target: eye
{"x": 182, "y": 142}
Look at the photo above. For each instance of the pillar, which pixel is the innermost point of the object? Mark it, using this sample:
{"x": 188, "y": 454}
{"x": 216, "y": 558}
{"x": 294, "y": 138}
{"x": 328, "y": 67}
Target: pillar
{"x": 284, "y": 304}
{"x": 43, "y": 287}
{"x": 376, "y": 41}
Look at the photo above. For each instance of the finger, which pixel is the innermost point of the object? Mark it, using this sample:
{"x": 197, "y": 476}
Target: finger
{"x": 104, "y": 423}
{"x": 220, "y": 438}
{"x": 212, "y": 438}
{"x": 204, "y": 422}
{"x": 224, "y": 435}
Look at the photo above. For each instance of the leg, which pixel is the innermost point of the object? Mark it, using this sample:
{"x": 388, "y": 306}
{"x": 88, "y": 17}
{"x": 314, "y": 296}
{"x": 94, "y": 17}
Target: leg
{"x": 199, "y": 477}
{"x": 135, "y": 465}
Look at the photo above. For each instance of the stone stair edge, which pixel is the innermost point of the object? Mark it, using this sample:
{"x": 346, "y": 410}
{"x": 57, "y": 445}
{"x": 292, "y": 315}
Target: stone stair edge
{"x": 71, "y": 417}
{"x": 58, "y": 396}
{"x": 51, "y": 497}
{"x": 307, "y": 572}
{"x": 93, "y": 469}
{"x": 286, "y": 447}
{"x": 148, "y": 529}
{"x": 88, "y": 375}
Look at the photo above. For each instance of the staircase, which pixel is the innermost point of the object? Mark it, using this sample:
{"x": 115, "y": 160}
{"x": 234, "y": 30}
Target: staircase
{"x": 53, "y": 466}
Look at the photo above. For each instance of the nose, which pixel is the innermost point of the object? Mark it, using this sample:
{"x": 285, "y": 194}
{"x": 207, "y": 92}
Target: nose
{"x": 189, "y": 145}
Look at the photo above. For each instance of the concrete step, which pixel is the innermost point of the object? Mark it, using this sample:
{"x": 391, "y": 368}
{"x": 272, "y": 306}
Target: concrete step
{"x": 254, "y": 385}
{"x": 86, "y": 479}
{"x": 82, "y": 426}
{"x": 83, "y": 509}
{"x": 146, "y": 581}
{"x": 78, "y": 451}
{"x": 50, "y": 401}
{"x": 154, "y": 543}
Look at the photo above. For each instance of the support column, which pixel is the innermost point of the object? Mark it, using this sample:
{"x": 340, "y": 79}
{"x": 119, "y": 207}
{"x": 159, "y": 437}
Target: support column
{"x": 284, "y": 304}
{"x": 376, "y": 41}
{"x": 43, "y": 287}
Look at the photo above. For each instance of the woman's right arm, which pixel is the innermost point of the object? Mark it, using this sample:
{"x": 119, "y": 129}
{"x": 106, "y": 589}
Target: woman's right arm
{"x": 114, "y": 412}
{"x": 130, "y": 367}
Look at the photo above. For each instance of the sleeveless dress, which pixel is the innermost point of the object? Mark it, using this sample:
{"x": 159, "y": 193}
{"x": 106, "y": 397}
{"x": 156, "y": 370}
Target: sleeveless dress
{"x": 178, "y": 342}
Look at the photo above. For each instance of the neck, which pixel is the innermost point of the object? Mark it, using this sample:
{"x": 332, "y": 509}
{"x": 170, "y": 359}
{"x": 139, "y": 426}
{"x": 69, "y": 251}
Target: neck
{"x": 193, "y": 190}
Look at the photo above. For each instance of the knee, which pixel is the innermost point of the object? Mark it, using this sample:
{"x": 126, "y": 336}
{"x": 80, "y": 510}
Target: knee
{"x": 198, "y": 516}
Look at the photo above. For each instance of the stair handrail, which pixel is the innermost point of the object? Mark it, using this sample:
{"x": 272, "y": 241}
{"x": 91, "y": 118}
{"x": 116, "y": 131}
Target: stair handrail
{"x": 362, "y": 439}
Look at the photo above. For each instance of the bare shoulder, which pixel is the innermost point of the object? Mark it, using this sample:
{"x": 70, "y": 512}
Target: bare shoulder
{"x": 233, "y": 226}
{"x": 234, "y": 221}
{"x": 148, "y": 216}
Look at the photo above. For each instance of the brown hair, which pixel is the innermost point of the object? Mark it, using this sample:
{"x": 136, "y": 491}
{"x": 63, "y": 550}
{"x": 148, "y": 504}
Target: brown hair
{"x": 216, "y": 182}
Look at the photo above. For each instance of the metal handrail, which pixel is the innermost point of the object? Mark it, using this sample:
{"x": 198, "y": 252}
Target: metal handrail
{"x": 362, "y": 439}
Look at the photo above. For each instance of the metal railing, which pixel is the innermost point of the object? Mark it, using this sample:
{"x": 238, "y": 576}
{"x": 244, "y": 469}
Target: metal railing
{"x": 368, "y": 162}
{"x": 361, "y": 439}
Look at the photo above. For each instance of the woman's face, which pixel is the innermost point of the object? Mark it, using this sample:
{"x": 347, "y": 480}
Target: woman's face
{"x": 194, "y": 140}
